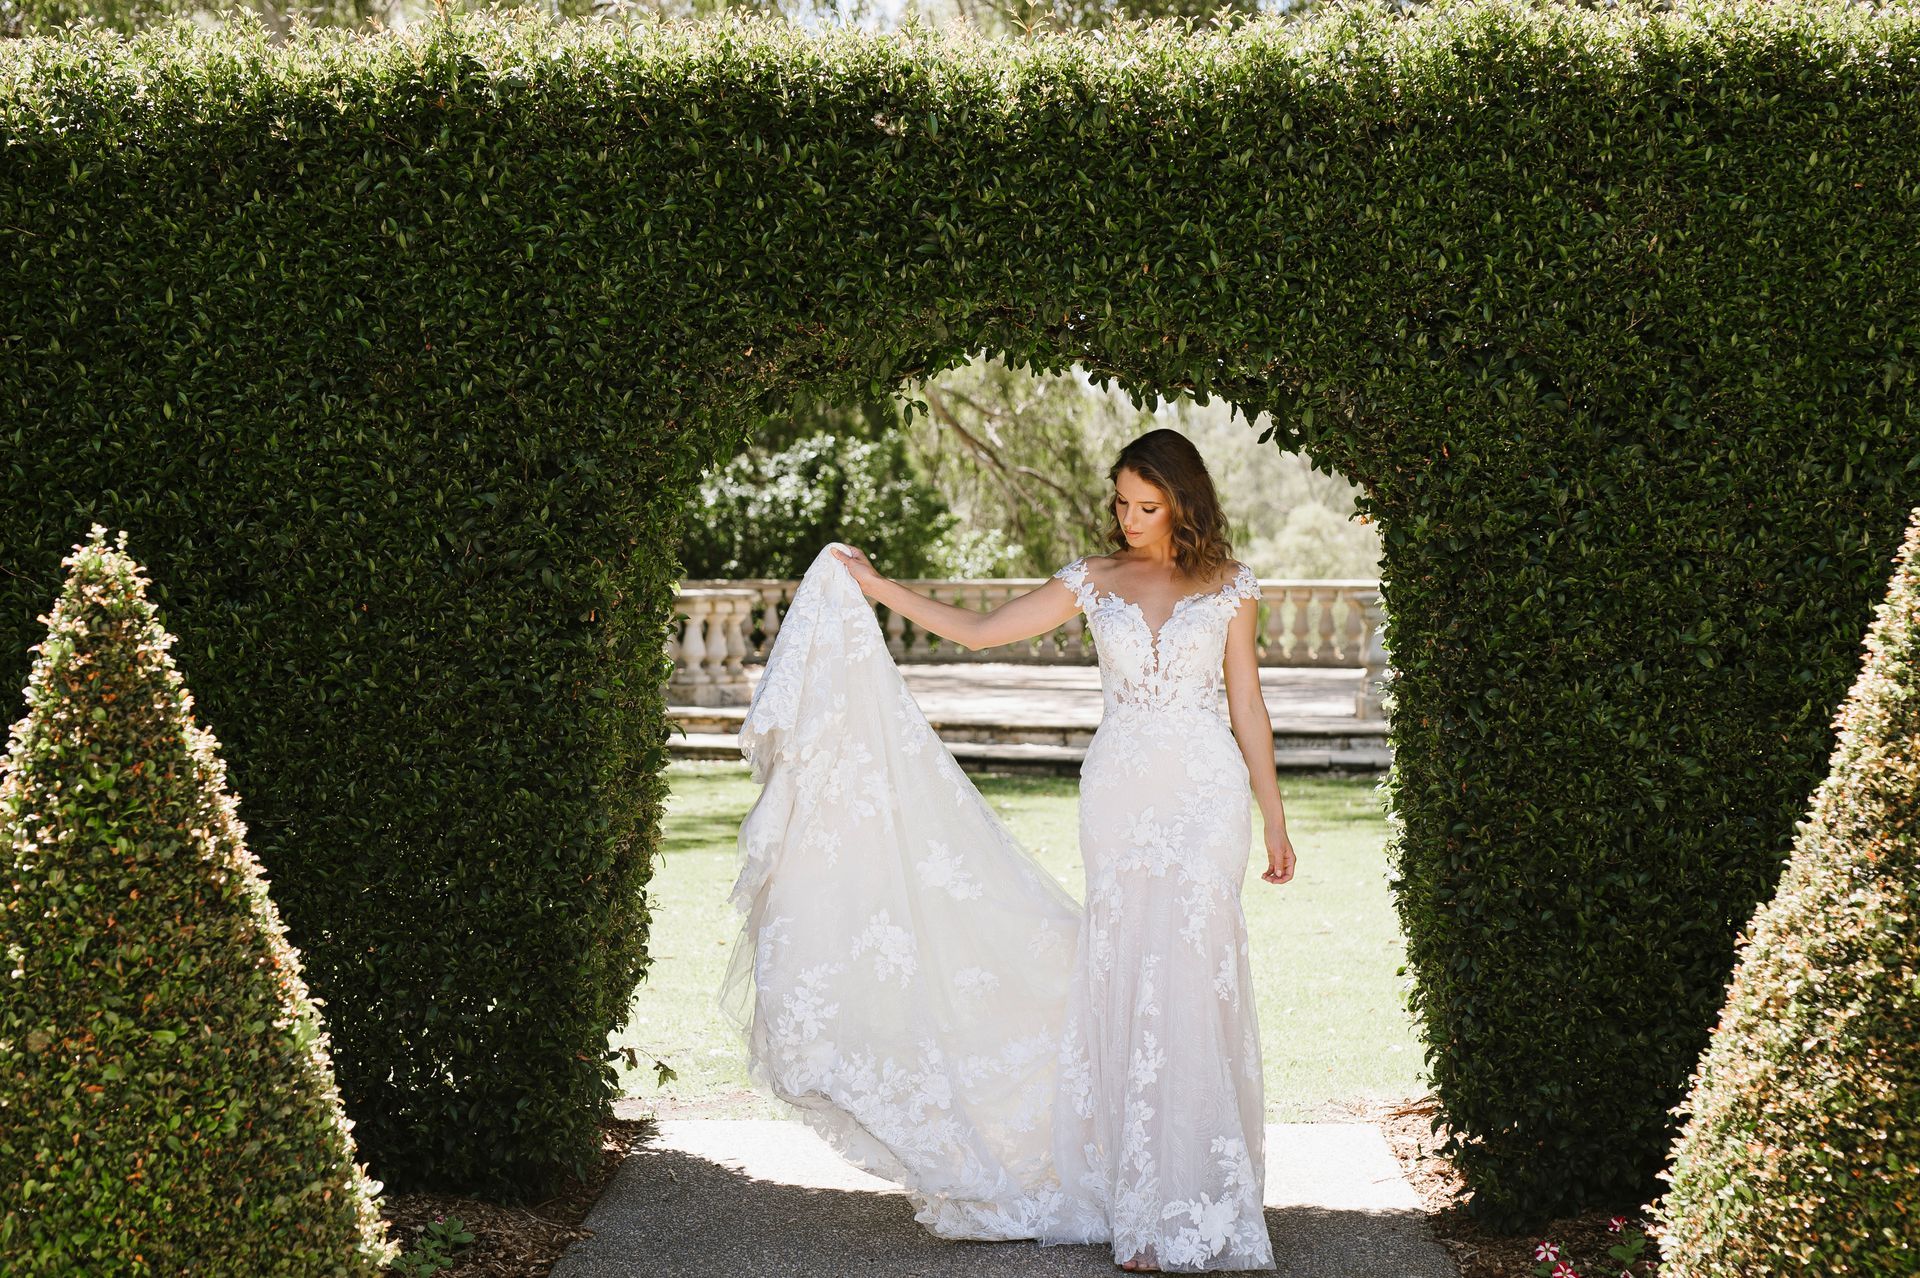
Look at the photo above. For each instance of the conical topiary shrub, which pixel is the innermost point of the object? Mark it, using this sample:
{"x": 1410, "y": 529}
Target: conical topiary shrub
{"x": 1802, "y": 1155}
{"x": 166, "y": 1102}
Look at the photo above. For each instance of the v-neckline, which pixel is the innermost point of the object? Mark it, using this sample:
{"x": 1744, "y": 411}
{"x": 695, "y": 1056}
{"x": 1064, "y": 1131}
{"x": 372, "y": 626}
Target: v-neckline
{"x": 1153, "y": 635}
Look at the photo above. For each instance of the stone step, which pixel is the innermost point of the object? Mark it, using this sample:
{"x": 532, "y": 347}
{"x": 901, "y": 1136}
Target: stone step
{"x": 1339, "y": 756}
{"x": 1293, "y": 732}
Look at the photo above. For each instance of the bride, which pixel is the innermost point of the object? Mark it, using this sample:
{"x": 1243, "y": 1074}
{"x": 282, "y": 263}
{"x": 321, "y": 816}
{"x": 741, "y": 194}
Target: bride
{"x": 933, "y": 1000}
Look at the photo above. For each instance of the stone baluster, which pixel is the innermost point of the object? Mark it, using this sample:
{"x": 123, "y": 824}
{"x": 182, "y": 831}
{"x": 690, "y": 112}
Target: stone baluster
{"x": 1369, "y": 703}
{"x": 690, "y": 673}
{"x": 736, "y": 619}
{"x": 774, "y": 598}
{"x": 896, "y": 629}
{"x": 708, "y": 660}
{"x": 1353, "y": 634}
{"x": 1298, "y": 615}
{"x": 1324, "y": 600}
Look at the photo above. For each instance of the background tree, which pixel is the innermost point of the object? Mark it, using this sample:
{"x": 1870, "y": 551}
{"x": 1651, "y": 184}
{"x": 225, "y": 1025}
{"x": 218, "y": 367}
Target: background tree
{"x": 768, "y": 514}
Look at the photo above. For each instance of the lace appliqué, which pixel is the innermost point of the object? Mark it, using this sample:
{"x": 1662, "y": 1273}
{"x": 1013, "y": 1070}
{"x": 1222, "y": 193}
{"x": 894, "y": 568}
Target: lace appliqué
{"x": 1175, "y": 667}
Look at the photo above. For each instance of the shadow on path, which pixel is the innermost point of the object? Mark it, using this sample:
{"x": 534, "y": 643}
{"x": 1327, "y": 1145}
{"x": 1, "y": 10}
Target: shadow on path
{"x": 713, "y": 1197}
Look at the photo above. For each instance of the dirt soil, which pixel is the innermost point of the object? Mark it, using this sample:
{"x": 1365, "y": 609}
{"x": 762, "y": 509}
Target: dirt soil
{"x": 1583, "y": 1239}
{"x": 516, "y": 1242}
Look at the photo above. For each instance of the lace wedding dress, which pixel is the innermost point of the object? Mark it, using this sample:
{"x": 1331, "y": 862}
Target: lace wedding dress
{"x": 938, "y": 1006}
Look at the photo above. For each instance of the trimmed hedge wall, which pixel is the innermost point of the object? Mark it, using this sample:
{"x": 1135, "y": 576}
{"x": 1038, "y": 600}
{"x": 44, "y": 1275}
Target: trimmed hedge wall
{"x": 1801, "y": 1154}
{"x": 400, "y": 356}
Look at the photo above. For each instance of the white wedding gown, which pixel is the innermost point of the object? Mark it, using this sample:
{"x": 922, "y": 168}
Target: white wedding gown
{"x": 938, "y": 1006}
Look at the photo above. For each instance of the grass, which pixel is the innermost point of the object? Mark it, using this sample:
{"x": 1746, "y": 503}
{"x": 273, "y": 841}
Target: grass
{"x": 1325, "y": 947}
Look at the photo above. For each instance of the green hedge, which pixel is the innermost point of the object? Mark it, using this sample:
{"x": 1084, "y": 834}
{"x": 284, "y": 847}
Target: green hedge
{"x": 166, "y": 1104}
{"x": 401, "y": 357}
{"x": 1801, "y": 1154}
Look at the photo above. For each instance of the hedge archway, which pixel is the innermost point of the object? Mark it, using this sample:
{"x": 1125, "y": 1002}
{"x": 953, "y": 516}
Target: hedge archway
{"x": 397, "y": 359}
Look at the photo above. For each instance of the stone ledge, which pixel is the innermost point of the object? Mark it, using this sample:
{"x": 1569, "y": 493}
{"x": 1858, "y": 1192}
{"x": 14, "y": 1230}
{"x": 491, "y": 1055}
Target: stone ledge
{"x": 1064, "y": 760}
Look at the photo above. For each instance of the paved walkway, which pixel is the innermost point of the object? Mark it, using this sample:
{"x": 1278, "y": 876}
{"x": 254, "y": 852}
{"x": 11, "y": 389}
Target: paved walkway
{"x": 762, "y": 1198}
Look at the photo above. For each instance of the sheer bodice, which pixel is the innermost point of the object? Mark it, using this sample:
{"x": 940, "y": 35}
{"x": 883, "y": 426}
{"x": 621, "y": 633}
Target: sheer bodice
{"x": 1176, "y": 668}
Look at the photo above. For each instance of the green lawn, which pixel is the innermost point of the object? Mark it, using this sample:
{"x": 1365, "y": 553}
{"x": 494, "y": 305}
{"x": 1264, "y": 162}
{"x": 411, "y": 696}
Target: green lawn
{"x": 1324, "y": 947}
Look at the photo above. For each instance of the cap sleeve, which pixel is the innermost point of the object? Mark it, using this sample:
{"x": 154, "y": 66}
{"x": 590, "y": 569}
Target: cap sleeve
{"x": 1243, "y": 586}
{"x": 1075, "y": 577}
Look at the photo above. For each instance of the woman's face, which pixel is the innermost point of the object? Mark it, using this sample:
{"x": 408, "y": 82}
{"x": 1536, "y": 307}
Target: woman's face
{"x": 1141, "y": 509}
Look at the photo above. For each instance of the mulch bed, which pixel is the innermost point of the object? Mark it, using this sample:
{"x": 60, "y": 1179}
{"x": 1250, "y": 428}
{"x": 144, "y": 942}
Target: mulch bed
{"x": 517, "y": 1242}
{"x": 1583, "y": 1239}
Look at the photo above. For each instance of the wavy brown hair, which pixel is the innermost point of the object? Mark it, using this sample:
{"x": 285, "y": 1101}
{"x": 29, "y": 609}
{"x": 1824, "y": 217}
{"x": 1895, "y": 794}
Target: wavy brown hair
{"x": 1169, "y": 461}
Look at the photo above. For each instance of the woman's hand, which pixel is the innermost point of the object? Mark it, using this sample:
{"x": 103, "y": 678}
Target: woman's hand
{"x": 1279, "y": 854}
{"x": 862, "y": 569}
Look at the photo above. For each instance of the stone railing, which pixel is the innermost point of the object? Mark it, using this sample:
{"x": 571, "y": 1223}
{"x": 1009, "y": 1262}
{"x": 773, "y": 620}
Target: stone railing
{"x": 730, "y": 624}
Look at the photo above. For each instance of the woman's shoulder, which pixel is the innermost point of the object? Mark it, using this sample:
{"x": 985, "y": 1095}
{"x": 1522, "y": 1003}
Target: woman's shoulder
{"x": 1073, "y": 572}
{"x": 1241, "y": 582}
{"x": 1231, "y": 573}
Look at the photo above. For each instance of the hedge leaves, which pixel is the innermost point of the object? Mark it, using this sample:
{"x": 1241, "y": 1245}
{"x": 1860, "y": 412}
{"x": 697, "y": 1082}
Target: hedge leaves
{"x": 1801, "y": 1155}
{"x": 166, "y": 1104}
{"x": 402, "y": 357}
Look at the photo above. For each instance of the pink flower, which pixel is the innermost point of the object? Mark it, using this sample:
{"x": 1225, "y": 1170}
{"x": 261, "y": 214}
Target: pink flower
{"x": 1616, "y": 1222}
{"x": 1564, "y": 1270}
{"x": 1547, "y": 1251}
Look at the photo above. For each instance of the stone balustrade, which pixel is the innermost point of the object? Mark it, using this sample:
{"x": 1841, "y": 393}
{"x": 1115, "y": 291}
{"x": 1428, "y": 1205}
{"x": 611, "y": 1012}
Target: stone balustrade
{"x": 732, "y": 623}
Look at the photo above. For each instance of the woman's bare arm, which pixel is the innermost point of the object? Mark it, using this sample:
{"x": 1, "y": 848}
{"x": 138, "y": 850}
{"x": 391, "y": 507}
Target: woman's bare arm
{"x": 1253, "y": 729}
{"x": 1041, "y": 609}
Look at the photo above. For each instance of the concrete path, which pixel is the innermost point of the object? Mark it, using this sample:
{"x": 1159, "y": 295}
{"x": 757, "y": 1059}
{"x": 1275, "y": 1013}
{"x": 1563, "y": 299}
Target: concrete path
{"x": 763, "y": 1198}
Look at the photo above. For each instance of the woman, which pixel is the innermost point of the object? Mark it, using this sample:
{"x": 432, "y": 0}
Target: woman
{"x": 1142, "y": 1053}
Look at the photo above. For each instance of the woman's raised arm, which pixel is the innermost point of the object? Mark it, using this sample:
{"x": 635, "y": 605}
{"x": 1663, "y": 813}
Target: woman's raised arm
{"x": 1022, "y": 617}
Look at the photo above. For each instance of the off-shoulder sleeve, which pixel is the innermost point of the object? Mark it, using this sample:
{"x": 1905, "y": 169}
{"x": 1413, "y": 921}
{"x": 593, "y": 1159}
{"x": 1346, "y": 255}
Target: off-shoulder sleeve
{"x": 1243, "y": 586}
{"x": 1075, "y": 576}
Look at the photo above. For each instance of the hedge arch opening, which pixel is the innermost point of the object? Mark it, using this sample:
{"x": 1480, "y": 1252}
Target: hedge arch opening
{"x": 397, "y": 359}
{"x": 751, "y": 537}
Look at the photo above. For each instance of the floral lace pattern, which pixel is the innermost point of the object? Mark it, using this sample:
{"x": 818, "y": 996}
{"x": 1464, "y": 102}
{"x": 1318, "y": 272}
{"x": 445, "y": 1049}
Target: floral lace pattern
{"x": 943, "y": 1011}
{"x": 1162, "y": 1049}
